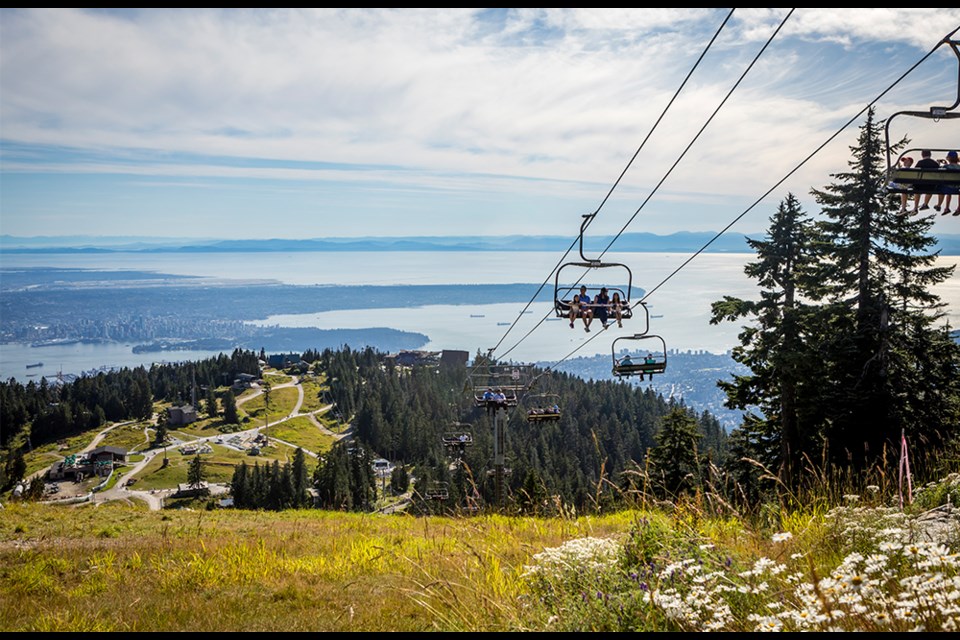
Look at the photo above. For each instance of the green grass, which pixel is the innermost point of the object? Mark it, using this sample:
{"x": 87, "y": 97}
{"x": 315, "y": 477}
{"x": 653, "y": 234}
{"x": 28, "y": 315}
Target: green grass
{"x": 282, "y": 402}
{"x": 302, "y": 432}
{"x": 312, "y": 395}
{"x": 119, "y": 567}
{"x": 124, "y": 569}
{"x": 129, "y": 436}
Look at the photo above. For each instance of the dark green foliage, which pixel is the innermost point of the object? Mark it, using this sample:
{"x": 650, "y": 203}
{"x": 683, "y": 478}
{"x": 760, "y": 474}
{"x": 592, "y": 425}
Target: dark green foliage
{"x": 211, "y": 401}
{"x": 848, "y": 350}
{"x": 196, "y": 474}
{"x": 675, "y": 461}
{"x": 399, "y": 480}
{"x": 273, "y": 486}
{"x": 230, "y": 415}
{"x": 777, "y": 346}
{"x": 344, "y": 479}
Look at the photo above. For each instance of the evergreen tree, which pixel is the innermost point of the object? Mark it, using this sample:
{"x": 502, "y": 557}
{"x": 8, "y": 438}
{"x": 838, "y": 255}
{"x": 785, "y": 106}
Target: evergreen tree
{"x": 773, "y": 346}
{"x": 675, "y": 459}
{"x": 300, "y": 478}
{"x": 332, "y": 479}
{"x": 161, "y": 430}
{"x": 399, "y": 480}
{"x": 889, "y": 360}
{"x": 196, "y": 473}
{"x": 230, "y": 415}
{"x": 239, "y": 487}
{"x": 212, "y": 410}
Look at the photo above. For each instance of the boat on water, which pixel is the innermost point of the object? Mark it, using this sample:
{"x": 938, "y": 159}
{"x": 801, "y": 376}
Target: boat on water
{"x": 34, "y": 365}
{"x": 477, "y": 315}
{"x": 502, "y": 324}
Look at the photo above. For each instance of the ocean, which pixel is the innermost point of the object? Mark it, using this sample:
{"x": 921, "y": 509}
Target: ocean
{"x": 680, "y": 291}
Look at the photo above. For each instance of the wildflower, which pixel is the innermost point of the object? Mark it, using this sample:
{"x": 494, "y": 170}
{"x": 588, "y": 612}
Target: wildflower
{"x": 880, "y": 617}
{"x": 872, "y": 488}
{"x": 769, "y": 624}
{"x": 782, "y": 537}
{"x": 851, "y": 497}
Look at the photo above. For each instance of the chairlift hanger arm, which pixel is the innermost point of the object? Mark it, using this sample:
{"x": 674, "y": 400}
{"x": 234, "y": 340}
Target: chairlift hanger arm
{"x": 935, "y": 113}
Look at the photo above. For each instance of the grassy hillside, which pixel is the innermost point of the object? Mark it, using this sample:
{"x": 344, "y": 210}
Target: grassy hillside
{"x": 862, "y": 566}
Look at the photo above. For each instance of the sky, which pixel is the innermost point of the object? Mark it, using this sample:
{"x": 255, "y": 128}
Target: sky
{"x": 321, "y": 123}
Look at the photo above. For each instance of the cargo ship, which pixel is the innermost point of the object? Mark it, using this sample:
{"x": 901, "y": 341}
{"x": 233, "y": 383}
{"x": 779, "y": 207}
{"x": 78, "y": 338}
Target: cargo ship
{"x": 34, "y": 365}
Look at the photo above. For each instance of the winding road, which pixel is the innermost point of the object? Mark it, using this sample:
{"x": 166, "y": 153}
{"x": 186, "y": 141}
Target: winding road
{"x": 154, "y": 498}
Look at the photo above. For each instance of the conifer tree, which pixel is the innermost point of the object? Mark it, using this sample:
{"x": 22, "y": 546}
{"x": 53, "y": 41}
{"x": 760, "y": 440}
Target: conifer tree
{"x": 888, "y": 355}
{"x": 300, "y": 479}
{"x": 230, "y": 415}
{"x": 239, "y": 487}
{"x": 212, "y": 410}
{"x": 675, "y": 459}
{"x": 772, "y": 346}
{"x": 196, "y": 474}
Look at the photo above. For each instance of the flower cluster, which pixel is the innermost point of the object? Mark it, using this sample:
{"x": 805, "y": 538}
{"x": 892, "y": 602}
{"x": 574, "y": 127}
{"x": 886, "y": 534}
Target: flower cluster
{"x": 891, "y": 580}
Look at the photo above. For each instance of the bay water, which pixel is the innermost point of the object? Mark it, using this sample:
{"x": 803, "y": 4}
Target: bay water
{"x": 678, "y": 290}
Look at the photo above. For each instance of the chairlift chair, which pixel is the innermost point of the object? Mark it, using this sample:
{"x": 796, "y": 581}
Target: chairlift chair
{"x": 901, "y": 180}
{"x": 511, "y": 379}
{"x": 563, "y": 293}
{"x": 438, "y": 491}
{"x": 640, "y": 362}
{"x": 457, "y": 438}
{"x": 543, "y": 407}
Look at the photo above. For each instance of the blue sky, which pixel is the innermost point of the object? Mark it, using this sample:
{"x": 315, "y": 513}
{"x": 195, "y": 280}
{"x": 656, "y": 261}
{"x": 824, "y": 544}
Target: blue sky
{"x": 290, "y": 123}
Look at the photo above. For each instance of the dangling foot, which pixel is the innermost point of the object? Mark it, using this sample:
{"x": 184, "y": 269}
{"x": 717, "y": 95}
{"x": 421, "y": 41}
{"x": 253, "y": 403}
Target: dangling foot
{"x": 587, "y": 329}
{"x": 957, "y": 212}
{"x": 924, "y": 207}
{"x": 936, "y": 207}
{"x": 571, "y": 325}
{"x": 945, "y": 212}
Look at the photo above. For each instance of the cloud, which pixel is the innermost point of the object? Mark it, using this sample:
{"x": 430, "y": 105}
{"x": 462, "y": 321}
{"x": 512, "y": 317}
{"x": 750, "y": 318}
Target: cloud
{"x": 510, "y": 103}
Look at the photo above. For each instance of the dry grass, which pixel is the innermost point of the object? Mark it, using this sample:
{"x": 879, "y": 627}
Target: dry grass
{"x": 120, "y": 568}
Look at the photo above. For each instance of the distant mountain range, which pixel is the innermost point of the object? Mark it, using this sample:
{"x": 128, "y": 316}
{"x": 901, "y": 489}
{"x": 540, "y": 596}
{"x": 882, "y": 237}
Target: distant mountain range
{"x": 682, "y": 242}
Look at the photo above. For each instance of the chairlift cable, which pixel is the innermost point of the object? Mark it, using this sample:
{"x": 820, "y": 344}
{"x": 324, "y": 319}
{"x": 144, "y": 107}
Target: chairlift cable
{"x": 802, "y": 162}
{"x": 613, "y": 187}
{"x": 771, "y": 189}
{"x": 672, "y": 167}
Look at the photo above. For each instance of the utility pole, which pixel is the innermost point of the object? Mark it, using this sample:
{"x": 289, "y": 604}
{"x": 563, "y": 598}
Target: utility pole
{"x": 499, "y": 428}
{"x": 266, "y": 412}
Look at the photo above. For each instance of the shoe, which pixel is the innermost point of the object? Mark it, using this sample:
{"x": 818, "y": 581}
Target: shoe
{"x": 936, "y": 207}
{"x": 945, "y": 212}
{"x": 587, "y": 329}
{"x": 957, "y": 212}
{"x": 620, "y": 324}
{"x": 924, "y": 207}
{"x": 571, "y": 325}
{"x": 903, "y": 209}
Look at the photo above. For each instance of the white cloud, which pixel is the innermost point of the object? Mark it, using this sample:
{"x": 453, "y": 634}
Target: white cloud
{"x": 517, "y": 102}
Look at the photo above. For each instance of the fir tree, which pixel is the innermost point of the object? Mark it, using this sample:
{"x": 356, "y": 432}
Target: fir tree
{"x": 300, "y": 479}
{"x": 212, "y": 410}
{"x": 675, "y": 460}
{"x": 230, "y": 415}
{"x": 196, "y": 474}
{"x": 773, "y": 346}
{"x": 889, "y": 362}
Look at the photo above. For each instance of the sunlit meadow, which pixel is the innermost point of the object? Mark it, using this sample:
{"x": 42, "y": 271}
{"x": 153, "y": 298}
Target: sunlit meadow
{"x": 860, "y": 566}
